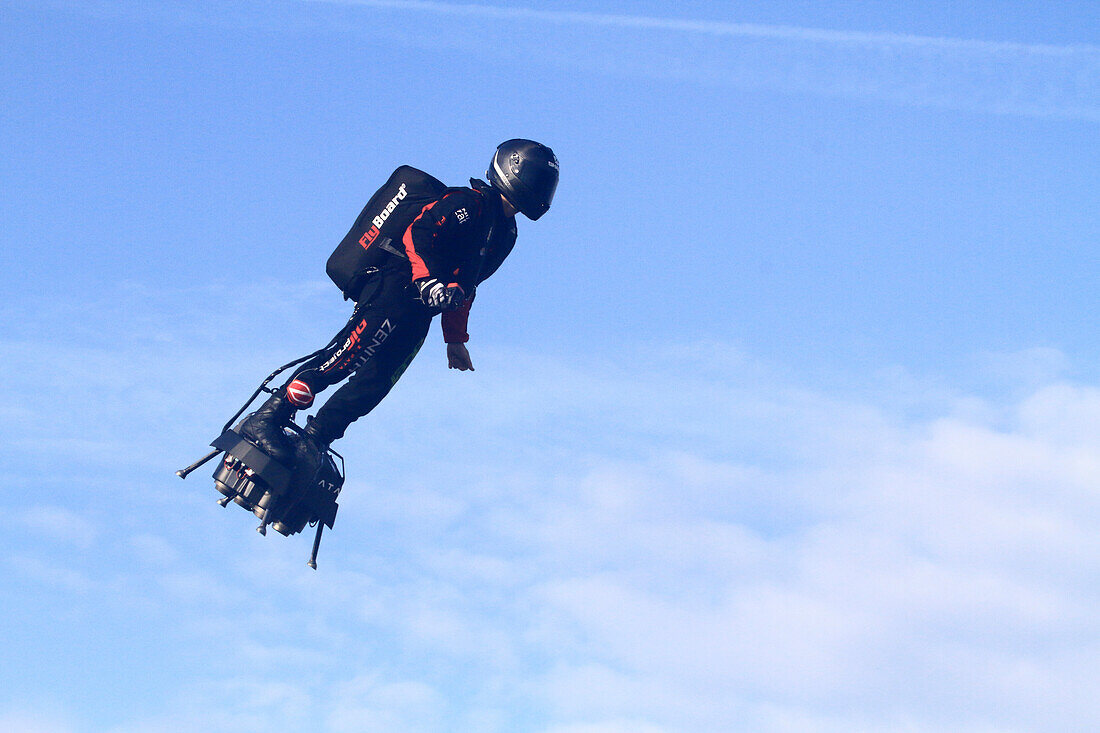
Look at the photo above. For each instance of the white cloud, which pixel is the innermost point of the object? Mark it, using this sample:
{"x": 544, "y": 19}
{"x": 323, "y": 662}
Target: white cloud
{"x": 953, "y": 556}
{"x": 1030, "y": 79}
{"x": 690, "y": 545}
{"x": 228, "y": 705}
{"x": 369, "y": 704}
{"x": 38, "y": 721}
{"x": 921, "y": 572}
{"x": 708, "y": 27}
{"x": 154, "y": 550}
{"x": 923, "y": 575}
{"x": 609, "y": 726}
{"x": 1011, "y": 78}
{"x": 51, "y": 573}
{"x": 58, "y": 524}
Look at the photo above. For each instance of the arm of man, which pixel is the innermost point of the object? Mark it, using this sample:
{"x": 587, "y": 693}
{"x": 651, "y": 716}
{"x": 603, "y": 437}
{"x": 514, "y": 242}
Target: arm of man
{"x": 454, "y": 324}
{"x": 458, "y": 357}
{"x": 435, "y": 241}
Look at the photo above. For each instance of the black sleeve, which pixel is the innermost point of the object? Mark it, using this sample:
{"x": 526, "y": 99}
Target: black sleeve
{"x": 437, "y": 237}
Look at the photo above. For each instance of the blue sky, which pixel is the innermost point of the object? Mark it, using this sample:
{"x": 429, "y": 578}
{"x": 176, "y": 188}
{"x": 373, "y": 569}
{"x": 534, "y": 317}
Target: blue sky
{"x": 784, "y": 419}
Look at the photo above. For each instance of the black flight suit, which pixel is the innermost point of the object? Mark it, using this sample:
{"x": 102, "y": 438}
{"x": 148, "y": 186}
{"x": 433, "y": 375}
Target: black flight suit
{"x": 460, "y": 238}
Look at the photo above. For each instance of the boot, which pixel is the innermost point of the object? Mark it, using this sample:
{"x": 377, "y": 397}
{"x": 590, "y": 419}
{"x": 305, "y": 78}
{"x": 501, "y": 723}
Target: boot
{"x": 264, "y": 428}
{"x": 308, "y": 454}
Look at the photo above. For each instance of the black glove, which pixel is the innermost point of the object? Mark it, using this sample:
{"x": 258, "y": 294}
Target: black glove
{"x": 440, "y": 297}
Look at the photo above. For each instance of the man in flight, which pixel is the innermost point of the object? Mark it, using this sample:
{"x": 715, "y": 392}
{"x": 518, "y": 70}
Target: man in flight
{"x": 418, "y": 248}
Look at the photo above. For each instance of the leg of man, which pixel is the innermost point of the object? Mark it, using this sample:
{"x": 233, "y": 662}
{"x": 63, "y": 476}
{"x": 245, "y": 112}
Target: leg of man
{"x": 384, "y": 334}
{"x": 382, "y": 301}
{"x": 384, "y": 309}
{"x": 393, "y": 346}
{"x": 264, "y": 427}
{"x": 401, "y": 338}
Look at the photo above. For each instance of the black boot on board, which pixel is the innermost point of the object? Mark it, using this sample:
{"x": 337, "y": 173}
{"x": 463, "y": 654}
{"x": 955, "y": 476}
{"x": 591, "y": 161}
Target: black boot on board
{"x": 308, "y": 453}
{"x": 264, "y": 428}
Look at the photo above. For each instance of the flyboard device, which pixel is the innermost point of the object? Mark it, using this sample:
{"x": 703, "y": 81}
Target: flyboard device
{"x": 272, "y": 491}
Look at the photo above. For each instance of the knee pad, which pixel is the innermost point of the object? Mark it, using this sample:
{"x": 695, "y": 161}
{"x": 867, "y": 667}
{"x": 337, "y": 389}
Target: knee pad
{"x": 299, "y": 394}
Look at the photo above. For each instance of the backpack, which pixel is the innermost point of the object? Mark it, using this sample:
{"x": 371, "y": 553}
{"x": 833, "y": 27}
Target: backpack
{"x": 377, "y": 234}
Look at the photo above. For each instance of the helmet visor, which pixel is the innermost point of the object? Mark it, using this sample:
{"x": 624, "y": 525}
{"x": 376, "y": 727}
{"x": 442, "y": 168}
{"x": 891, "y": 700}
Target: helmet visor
{"x": 539, "y": 183}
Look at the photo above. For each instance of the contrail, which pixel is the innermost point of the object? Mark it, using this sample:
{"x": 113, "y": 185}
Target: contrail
{"x": 1020, "y": 79}
{"x": 717, "y": 28}
{"x": 1043, "y": 80}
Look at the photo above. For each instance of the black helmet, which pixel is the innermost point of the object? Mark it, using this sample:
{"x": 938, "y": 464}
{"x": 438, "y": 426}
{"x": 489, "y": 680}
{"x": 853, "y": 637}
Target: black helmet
{"x": 526, "y": 172}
